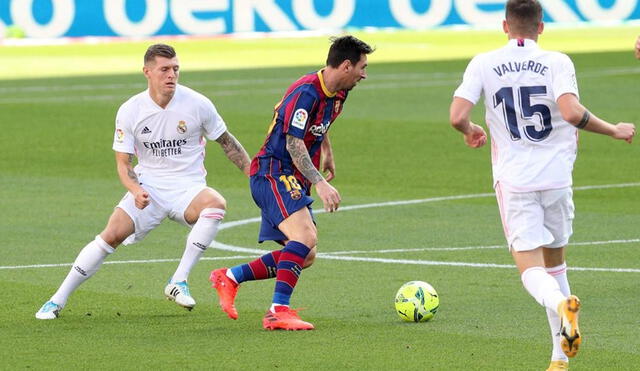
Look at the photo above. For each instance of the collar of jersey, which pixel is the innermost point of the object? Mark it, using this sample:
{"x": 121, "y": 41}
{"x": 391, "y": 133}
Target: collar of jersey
{"x": 153, "y": 102}
{"x": 324, "y": 87}
{"x": 528, "y": 43}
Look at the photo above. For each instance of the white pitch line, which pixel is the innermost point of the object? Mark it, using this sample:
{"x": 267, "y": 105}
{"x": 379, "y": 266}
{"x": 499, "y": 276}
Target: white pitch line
{"x": 366, "y": 206}
{"x": 125, "y": 262}
{"x": 471, "y": 265}
{"x": 237, "y": 223}
{"x": 588, "y": 243}
{"x": 338, "y": 255}
{"x": 334, "y": 256}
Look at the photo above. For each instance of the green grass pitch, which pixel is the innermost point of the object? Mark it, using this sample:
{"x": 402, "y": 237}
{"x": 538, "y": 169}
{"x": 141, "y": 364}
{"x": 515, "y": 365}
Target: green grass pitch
{"x": 393, "y": 143}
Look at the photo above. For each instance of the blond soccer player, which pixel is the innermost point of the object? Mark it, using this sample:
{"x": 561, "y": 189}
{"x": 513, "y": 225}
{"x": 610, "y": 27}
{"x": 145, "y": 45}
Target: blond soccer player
{"x": 165, "y": 127}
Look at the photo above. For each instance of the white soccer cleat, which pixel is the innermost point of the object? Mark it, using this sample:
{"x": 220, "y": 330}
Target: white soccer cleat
{"x": 49, "y": 310}
{"x": 179, "y": 292}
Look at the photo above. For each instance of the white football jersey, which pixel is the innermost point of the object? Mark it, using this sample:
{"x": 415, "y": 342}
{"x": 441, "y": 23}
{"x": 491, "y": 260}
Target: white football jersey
{"x": 532, "y": 147}
{"x": 169, "y": 142}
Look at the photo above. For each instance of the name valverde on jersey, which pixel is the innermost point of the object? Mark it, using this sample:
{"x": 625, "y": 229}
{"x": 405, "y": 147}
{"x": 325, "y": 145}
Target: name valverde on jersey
{"x": 532, "y": 147}
{"x": 169, "y": 142}
{"x": 306, "y": 111}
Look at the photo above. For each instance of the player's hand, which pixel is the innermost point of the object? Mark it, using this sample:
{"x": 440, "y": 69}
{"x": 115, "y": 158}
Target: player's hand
{"x": 328, "y": 168}
{"x": 475, "y": 137}
{"x": 142, "y": 199}
{"x": 625, "y": 131}
{"x": 329, "y": 196}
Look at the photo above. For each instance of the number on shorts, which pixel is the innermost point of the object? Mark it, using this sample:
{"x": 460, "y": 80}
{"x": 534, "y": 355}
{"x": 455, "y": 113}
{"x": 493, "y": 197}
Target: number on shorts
{"x": 290, "y": 182}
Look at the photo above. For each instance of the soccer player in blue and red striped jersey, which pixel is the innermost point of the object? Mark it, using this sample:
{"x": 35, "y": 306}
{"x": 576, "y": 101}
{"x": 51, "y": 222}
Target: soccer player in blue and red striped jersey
{"x": 282, "y": 174}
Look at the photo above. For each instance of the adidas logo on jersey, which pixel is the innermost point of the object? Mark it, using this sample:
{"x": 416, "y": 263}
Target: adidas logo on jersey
{"x": 146, "y": 130}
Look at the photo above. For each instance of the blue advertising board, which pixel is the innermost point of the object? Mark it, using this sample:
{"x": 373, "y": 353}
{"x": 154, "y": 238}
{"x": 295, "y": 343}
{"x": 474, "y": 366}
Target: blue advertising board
{"x": 76, "y": 18}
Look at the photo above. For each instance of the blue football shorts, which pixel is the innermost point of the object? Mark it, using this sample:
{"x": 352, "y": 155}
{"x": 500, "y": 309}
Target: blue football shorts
{"x": 277, "y": 196}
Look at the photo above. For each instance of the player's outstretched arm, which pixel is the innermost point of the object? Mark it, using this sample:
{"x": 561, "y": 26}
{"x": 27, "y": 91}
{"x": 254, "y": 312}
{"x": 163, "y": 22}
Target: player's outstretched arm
{"x": 300, "y": 156}
{"x": 328, "y": 164}
{"x": 576, "y": 114}
{"x": 234, "y": 151}
{"x": 129, "y": 179}
{"x": 459, "y": 116}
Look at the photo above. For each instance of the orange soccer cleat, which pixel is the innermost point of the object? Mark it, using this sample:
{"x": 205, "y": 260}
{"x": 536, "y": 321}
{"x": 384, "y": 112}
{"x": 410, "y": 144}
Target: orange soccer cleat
{"x": 226, "y": 289}
{"x": 285, "y": 320}
{"x": 568, "y": 312}
{"x": 558, "y": 366}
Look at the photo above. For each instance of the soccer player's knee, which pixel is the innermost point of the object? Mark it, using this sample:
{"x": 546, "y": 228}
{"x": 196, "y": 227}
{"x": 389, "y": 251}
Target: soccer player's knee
{"x": 214, "y": 199}
{"x": 112, "y": 238}
{"x": 310, "y": 237}
{"x": 310, "y": 259}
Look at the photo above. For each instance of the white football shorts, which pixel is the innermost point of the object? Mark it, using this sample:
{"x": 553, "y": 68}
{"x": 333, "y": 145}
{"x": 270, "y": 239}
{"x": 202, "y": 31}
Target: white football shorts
{"x": 165, "y": 203}
{"x": 536, "y": 219}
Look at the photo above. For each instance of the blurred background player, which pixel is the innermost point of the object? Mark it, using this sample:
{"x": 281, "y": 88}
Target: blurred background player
{"x": 533, "y": 113}
{"x": 637, "y": 49}
{"x": 282, "y": 174}
{"x": 165, "y": 127}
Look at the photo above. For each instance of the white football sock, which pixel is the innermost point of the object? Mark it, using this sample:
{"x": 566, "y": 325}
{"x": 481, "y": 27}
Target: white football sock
{"x": 560, "y": 274}
{"x": 199, "y": 239}
{"x": 87, "y": 263}
{"x": 542, "y": 287}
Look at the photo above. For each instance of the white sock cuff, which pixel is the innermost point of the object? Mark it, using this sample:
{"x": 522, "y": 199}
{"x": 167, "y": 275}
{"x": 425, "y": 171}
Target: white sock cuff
{"x": 103, "y": 245}
{"x": 557, "y": 270}
{"x": 212, "y": 213}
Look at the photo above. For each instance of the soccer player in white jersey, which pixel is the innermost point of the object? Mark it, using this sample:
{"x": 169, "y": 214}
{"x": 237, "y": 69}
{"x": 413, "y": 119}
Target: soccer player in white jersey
{"x": 165, "y": 127}
{"x": 533, "y": 113}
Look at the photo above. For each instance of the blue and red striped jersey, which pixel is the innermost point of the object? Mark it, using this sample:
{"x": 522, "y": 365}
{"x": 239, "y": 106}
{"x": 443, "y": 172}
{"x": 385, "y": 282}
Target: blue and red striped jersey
{"x": 306, "y": 111}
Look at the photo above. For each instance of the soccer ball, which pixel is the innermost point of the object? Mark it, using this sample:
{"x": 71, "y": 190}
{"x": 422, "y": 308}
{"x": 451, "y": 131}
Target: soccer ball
{"x": 417, "y": 301}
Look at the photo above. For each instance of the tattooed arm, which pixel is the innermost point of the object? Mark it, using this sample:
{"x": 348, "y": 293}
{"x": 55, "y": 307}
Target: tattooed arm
{"x": 234, "y": 151}
{"x": 300, "y": 156}
{"x": 129, "y": 179}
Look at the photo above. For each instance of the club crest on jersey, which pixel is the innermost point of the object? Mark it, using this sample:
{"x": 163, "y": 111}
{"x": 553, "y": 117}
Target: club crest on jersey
{"x": 295, "y": 194}
{"x": 300, "y": 118}
{"x": 119, "y": 135}
{"x": 182, "y": 127}
{"x": 336, "y": 107}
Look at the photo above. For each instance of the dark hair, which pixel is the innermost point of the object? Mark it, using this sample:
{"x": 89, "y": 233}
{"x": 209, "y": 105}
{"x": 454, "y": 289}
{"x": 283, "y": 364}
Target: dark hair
{"x": 346, "y": 48}
{"x": 524, "y": 15}
{"x": 159, "y": 50}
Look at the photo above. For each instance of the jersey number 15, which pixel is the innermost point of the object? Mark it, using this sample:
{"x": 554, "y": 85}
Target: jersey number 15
{"x": 504, "y": 96}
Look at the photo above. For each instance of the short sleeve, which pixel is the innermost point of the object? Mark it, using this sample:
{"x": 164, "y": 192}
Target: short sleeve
{"x": 297, "y": 114}
{"x": 564, "y": 77}
{"x": 212, "y": 123}
{"x": 471, "y": 86}
{"x": 123, "y": 140}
